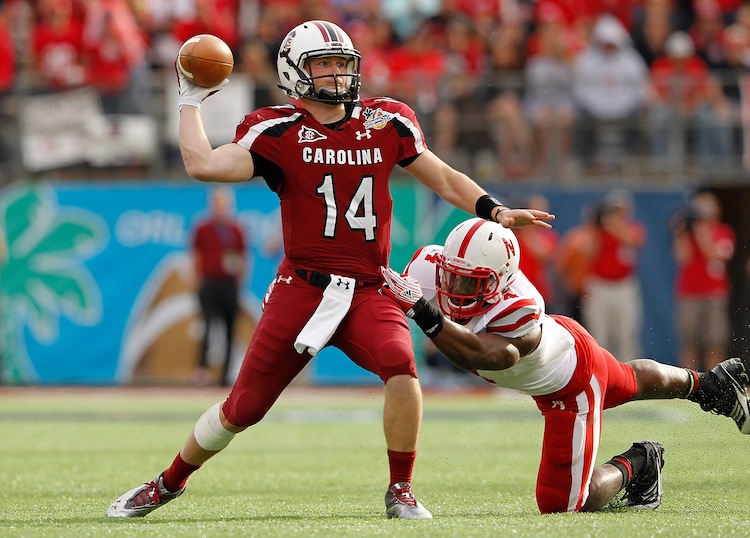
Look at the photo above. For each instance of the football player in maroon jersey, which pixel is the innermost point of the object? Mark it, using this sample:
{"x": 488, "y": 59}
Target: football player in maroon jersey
{"x": 484, "y": 314}
{"x": 329, "y": 157}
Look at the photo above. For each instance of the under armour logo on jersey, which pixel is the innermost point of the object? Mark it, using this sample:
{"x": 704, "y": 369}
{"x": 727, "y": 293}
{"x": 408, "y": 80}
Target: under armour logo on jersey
{"x": 366, "y": 134}
{"x": 342, "y": 283}
{"x": 306, "y": 134}
{"x": 287, "y": 280}
{"x": 558, "y": 403}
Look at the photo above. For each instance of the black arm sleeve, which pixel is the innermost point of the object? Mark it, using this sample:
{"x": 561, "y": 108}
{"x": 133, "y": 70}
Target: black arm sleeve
{"x": 268, "y": 170}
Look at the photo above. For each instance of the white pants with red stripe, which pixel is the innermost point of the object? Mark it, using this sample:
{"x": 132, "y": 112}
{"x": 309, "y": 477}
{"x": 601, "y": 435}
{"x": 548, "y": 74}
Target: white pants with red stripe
{"x": 573, "y": 422}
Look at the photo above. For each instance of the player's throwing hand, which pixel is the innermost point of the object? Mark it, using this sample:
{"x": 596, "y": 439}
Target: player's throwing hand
{"x": 192, "y": 94}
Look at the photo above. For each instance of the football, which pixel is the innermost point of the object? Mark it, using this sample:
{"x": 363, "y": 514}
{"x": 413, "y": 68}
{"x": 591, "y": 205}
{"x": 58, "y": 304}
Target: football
{"x": 205, "y": 60}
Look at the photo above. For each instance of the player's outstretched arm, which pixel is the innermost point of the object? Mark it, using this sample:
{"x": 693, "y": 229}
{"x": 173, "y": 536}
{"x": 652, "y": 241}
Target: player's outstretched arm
{"x": 460, "y": 190}
{"x": 472, "y": 351}
{"x": 460, "y": 345}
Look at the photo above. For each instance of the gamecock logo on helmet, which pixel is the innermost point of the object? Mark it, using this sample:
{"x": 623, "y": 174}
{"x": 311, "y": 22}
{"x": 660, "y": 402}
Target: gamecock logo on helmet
{"x": 287, "y": 46}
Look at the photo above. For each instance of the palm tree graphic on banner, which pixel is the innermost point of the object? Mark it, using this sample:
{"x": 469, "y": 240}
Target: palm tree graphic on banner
{"x": 44, "y": 276}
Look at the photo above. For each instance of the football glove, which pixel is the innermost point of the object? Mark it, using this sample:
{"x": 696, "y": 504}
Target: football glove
{"x": 192, "y": 94}
{"x": 404, "y": 289}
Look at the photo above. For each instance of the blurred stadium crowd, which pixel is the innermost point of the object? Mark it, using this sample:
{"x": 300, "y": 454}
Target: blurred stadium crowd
{"x": 552, "y": 90}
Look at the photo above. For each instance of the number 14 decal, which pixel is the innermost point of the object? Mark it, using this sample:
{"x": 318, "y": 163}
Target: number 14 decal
{"x": 358, "y": 219}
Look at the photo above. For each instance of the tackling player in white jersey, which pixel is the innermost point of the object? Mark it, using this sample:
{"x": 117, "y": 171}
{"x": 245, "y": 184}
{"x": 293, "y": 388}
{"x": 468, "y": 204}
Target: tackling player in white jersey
{"x": 482, "y": 312}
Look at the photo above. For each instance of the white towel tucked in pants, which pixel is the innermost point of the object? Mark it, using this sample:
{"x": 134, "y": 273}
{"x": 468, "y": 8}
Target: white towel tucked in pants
{"x": 337, "y": 298}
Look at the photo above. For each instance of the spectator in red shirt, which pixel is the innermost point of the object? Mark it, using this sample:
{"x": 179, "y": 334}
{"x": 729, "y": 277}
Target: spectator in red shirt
{"x": 114, "y": 51}
{"x": 684, "y": 92}
{"x": 7, "y": 54}
{"x": 702, "y": 247}
{"x": 211, "y": 17}
{"x": 220, "y": 261}
{"x": 612, "y": 306}
{"x": 57, "y": 46}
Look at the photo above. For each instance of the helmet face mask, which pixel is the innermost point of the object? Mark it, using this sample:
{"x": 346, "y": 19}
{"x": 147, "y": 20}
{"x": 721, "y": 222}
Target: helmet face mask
{"x": 479, "y": 261}
{"x": 338, "y": 92}
{"x": 318, "y": 39}
{"x": 464, "y": 292}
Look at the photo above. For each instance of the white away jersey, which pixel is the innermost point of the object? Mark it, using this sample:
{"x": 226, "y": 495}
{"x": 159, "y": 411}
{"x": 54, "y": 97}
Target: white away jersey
{"x": 545, "y": 370}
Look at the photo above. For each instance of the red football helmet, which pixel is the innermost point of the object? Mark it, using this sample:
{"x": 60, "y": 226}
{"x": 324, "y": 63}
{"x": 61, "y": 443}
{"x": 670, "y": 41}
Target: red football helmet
{"x": 479, "y": 260}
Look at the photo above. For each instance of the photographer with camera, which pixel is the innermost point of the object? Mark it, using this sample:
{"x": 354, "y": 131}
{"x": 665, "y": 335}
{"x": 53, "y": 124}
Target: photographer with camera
{"x": 702, "y": 248}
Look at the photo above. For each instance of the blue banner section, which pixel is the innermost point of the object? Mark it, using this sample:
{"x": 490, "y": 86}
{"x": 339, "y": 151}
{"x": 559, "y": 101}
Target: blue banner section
{"x": 90, "y": 312}
{"x": 98, "y": 290}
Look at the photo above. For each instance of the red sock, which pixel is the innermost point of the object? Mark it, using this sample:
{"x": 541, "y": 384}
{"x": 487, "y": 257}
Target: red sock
{"x": 401, "y": 464}
{"x": 178, "y": 473}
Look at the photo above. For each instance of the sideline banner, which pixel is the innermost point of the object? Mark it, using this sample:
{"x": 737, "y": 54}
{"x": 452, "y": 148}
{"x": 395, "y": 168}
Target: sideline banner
{"x": 98, "y": 289}
{"x": 98, "y": 286}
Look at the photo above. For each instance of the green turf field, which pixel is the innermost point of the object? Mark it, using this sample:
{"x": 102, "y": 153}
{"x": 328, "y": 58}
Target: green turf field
{"x": 317, "y": 467}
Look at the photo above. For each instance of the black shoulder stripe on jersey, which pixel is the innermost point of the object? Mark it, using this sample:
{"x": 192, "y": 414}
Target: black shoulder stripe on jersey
{"x": 402, "y": 130}
{"x": 278, "y": 130}
{"x": 406, "y": 162}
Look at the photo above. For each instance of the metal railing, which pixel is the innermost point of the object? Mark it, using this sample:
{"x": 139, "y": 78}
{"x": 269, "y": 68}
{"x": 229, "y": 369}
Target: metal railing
{"x": 463, "y": 131}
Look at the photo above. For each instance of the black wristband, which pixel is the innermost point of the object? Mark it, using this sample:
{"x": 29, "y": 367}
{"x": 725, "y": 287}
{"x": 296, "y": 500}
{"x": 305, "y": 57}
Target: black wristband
{"x": 428, "y": 318}
{"x": 485, "y": 205}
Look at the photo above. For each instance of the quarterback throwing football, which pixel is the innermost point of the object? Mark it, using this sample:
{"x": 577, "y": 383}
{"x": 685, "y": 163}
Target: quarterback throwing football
{"x": 328, "y": 156}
